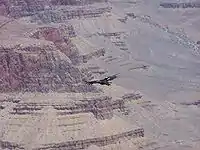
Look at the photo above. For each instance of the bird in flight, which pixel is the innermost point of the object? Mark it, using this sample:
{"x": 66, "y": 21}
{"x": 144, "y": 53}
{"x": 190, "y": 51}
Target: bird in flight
{"x": 105, "y": 81}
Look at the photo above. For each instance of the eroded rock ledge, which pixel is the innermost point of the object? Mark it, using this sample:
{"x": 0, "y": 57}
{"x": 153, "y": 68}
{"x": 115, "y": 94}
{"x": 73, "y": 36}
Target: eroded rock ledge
{"x": 34, "y": 68}
{"x": 181, "y": 5}
{"x": 102, "y": 141}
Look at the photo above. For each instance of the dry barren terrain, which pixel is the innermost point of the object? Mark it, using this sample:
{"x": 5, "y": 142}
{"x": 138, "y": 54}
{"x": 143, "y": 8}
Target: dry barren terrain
{"x": 50, "y": 48}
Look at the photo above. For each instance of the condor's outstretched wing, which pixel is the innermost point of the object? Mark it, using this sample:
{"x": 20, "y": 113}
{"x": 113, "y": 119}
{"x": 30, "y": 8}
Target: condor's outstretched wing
{"x": 92, "y": 82}
{"x": 109, "y": 78}
{"x": 104, "y": 81}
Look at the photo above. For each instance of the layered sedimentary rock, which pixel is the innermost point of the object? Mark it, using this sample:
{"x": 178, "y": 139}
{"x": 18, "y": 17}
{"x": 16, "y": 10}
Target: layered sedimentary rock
{"x": 75, "y": 2}
{"x": 98, "y": 53}
{"x": 54, "y": 34}
{"x": 61, "y": 15}
{"x": 35, "y": 68}
{"x": 181, "y": 5}
{"x": 9, "y": 145}
{"x": 48, "y": 11}
{"x": 101, "y": 107}
{"x": 45, "y": 67}
{"x": 66, "y": 131}
{"x": 44, "y": 101}
{"x": 101, "y": 141}
{"x": 17, "y": 8}
{"x": 61, "y": 39}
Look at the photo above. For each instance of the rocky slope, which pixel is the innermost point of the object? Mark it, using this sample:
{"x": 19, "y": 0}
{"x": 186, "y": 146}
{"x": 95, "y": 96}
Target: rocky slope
{"x": 43, "y": 68}
{"x": 49, "y": 47}
{"x": 39, "y": 68}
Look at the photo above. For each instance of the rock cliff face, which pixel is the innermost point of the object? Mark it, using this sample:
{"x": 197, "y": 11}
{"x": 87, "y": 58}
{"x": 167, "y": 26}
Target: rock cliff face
{"x": 20, "y": 8}
{"x": 100, "y": 142}
{"x": 61, "y": 39}
{"x": 38, "y": 69}
{"x": 101, "y": 107}
{"x": 180, "y": 5}
{"x": 44, "y": 101}
{"x": 75, "y": 2}
{"x": 62, "y": 15}
{"x": 17, "y": 8}
{"x": 69, "y": 114}
{"x": 50, "y": 67}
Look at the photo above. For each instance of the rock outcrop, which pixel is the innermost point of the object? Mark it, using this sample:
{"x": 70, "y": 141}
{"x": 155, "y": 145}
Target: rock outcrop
{"x": 102, "y": 141}
{"x": 41, "y": 69}
{"x": 101, "y": 107}
{"x": 66, "y": 113}
{"x": 46, "y": 11}
{"x": 62, "y": 15}
{"x": 18, "y": 8}
{"x": 44, "y": 101}
{"x": 75, "y": 2}
{"x": 181, "y": 5}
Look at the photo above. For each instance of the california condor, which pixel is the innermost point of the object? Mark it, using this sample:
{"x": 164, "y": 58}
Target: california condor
{"x": 104, "y": 81}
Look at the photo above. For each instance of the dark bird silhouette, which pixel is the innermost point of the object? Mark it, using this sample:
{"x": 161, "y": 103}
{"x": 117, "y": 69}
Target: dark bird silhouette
{"x": 105, "y": 81}
{"x": 144, "y": 67}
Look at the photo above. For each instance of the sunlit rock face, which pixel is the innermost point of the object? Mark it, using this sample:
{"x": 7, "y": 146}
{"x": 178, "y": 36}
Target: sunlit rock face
{"x": 20, "y": 8}
{"x": 75, "y": 2}
{"x": 61, "y": 39}
{"x": 45, "y": 61}
{"x": 17, "y": 8}
{"x": 41, "y": 69}
{"x": 180, "y": 4}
